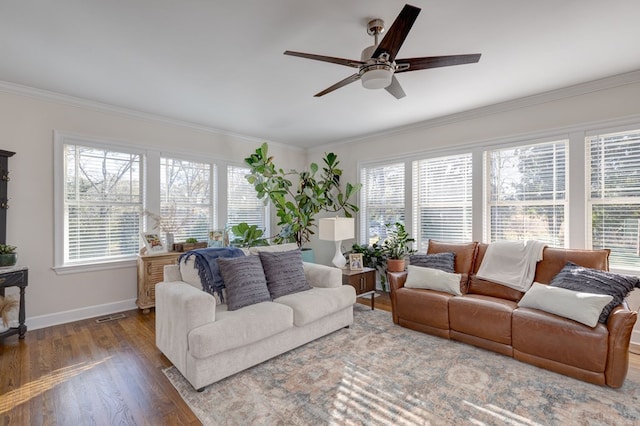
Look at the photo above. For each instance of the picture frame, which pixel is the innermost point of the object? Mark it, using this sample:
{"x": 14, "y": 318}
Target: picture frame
{"x": 356, "y": 262}
{"x": 152, "y": 242}
{"x": 218, "y": 238}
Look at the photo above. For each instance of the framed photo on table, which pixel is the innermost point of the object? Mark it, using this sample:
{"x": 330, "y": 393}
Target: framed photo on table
{"x": 218, "y": 238}
{"x": 355, "y": 262}
{"x": 152, "y": 242}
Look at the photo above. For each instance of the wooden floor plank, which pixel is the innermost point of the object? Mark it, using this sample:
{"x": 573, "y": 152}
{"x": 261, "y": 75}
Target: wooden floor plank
{"x": 109, "y": 373}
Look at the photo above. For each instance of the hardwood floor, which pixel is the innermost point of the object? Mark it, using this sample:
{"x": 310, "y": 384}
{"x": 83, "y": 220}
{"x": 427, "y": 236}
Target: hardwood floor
{"x": 104, "y": 374}
{"x": 88, "y": 373}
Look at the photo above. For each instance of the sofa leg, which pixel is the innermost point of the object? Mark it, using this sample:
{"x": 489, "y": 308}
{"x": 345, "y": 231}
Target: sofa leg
{"x": 347, "y": 326}
{"x": 201, "y": 389}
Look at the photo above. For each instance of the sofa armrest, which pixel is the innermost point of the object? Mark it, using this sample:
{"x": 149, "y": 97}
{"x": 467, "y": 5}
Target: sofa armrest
{"x": 322, "y": 275}
{"x": 620, "y": 326}
{"x": 172, "y": 273}
{"x": 396, "y": 282}
{"x": 180, "y": 308}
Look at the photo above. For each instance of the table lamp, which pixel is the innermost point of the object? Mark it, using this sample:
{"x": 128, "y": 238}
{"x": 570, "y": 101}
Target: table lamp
{"x": 337, "y": 229}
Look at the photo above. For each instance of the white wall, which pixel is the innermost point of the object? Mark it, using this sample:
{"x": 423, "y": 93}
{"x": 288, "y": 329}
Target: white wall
{"x": 536, "y": 116}
{"x": 26, "y": 127}
{"x": 27, "y": 124}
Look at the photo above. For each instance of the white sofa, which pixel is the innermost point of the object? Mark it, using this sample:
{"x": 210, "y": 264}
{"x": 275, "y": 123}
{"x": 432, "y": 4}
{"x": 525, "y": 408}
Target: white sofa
{"x": 207, "y": 343}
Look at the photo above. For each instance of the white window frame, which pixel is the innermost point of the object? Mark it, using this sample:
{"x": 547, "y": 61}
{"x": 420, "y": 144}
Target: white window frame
{"x": 60, "y": 140}
{"x": 363, "y": 229}
{"x": 488, "y": 203}
{"x": 266, "y": 226}
{"x": 588, "y": 202}
{"x": 416, "y": 185}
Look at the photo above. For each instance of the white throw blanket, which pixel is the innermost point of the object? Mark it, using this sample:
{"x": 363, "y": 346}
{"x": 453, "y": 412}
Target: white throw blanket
{"x": 511, "y": 263}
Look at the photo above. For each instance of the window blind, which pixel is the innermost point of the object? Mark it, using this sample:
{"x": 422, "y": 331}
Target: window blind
{"x": 527, "y": 193}
{"x": 381, "y": 200}
{"x": 243, "y": 204}
{"x": 186, "y": 198}
{"x": 102, "y": 203}
{"x": 442, "y": 199}
{"x": 613, "y": 170}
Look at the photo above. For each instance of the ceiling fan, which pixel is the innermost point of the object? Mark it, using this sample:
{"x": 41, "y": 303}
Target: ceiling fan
{"x": 378, "y": 63}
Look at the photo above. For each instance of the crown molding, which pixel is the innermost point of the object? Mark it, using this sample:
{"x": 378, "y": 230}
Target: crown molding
{"x": 528, "y": 101}
{"x": 46, "y": 95}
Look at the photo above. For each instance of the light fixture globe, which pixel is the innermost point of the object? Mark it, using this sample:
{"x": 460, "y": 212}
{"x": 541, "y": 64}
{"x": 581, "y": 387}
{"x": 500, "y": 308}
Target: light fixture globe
{"x": 375, "y": 74}
{"x": 377, "y": 78}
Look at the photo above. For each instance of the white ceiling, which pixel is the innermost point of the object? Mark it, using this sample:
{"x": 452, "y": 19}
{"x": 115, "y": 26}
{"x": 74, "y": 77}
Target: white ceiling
{"x": 220, "y": 63}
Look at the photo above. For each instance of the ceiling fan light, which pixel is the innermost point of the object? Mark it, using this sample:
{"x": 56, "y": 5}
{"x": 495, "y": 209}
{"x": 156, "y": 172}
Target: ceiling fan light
{"x": 376, "y": 79}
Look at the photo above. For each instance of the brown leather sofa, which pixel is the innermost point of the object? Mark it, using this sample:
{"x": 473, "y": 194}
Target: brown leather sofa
{"x": 487, "y": 315}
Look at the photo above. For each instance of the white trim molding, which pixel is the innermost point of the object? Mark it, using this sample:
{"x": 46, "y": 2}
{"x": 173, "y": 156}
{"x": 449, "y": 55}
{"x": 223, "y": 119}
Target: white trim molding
{"x": 49, "y": 320}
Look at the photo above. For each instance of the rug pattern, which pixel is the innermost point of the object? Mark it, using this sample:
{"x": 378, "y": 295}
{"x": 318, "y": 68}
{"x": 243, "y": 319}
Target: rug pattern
{"x": 377, "y": 373}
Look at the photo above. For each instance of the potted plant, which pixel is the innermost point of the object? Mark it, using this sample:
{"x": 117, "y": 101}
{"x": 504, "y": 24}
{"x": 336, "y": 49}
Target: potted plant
{"x": 373, "y": 257}
{"x": 299, "y": 196}
{"x": 8, "y": 255}
{"x": 397, "y": 246}
{"x": 246, "y": 235}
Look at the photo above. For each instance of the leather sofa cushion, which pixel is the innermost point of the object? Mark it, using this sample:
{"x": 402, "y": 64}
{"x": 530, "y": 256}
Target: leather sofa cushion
{"x": 465, "y": 254}
{"x": 427, "y": 307}
{"x": 233, "y": 329}
{"x": 489, "y": 288}
{"x": 311, "y": 305}
{"x": 554, "y": 259}
{"x": 482, "y": 316}
{"x": 559, "y": 339}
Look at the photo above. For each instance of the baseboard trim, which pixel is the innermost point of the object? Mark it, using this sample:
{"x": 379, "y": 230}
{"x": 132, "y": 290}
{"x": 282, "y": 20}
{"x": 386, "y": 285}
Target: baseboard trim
{"x": 57, "y": 318}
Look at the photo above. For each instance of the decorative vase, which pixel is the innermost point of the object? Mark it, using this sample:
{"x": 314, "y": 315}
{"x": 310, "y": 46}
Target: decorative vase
{"x": 395, "y": 265}
{"x": 8, "y": 259}
{"x": 308, "y": 256}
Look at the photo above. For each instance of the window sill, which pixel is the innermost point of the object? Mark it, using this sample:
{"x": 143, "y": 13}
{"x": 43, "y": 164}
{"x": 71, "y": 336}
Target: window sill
{"x": 94, "y": 267}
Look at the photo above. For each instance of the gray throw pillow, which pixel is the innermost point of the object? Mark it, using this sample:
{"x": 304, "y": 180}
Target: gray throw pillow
{"x": 579, "y": 278}
{"x": 244, "y": 280}
{"x": 284, "y": 272}
{"x": 441, "y": 261}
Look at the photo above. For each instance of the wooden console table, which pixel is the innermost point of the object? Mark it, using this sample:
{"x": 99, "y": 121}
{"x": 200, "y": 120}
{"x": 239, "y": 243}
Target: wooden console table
{"x": 15, "y": 276}
{"x": 150, "y": 273}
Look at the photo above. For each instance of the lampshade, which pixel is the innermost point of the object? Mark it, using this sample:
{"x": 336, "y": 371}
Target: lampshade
{"x": 336, "y": 228}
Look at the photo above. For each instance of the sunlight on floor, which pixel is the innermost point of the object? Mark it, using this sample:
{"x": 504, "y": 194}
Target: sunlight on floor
{"x": 506, "y": 416}
{"x": 48, "y": 381}
{"x": 359, "y": 397}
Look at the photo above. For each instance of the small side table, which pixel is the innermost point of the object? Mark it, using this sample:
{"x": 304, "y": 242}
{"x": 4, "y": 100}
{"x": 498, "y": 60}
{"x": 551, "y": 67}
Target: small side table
{"x": 363, "y": 280}
{"x": 16, "y": 276}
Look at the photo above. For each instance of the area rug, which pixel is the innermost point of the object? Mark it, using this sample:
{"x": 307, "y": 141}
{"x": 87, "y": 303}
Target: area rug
{"x": 377, "y": 373}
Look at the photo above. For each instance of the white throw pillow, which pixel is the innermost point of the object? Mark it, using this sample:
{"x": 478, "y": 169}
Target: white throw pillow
{"x": 576, "y": 305}
{"x": 432, "y": 279}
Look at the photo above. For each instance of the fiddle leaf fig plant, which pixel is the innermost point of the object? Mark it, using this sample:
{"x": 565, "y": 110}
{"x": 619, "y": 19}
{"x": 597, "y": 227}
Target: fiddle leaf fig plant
{"x": 298, "y": 196}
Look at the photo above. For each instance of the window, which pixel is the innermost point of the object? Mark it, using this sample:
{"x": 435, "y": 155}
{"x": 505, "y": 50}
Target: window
{"x": 243, "y": 204}
{"x": 442, "y": 199}
{"x": 381, "y": 200}
{"x": 613, "y": 175}
{"x": 102, "y": 203}
{"x": 527, "y": 193}
{"x": 186, "y": 197}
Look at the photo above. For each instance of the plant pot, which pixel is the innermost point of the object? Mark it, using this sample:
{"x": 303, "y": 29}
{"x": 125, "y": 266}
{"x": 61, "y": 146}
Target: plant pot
{"x": 395, "y": 265}
{"x": 8, "y": 259}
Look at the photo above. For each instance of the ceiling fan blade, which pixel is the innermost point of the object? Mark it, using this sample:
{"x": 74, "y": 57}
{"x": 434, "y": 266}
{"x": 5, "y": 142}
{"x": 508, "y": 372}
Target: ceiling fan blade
{"x": 435, "y": 62}
{"x": 397, "y": 33}
{"x": 348, "y": 80}
{"x": 339, "y": 61}
{"x": 395, "y": 89}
